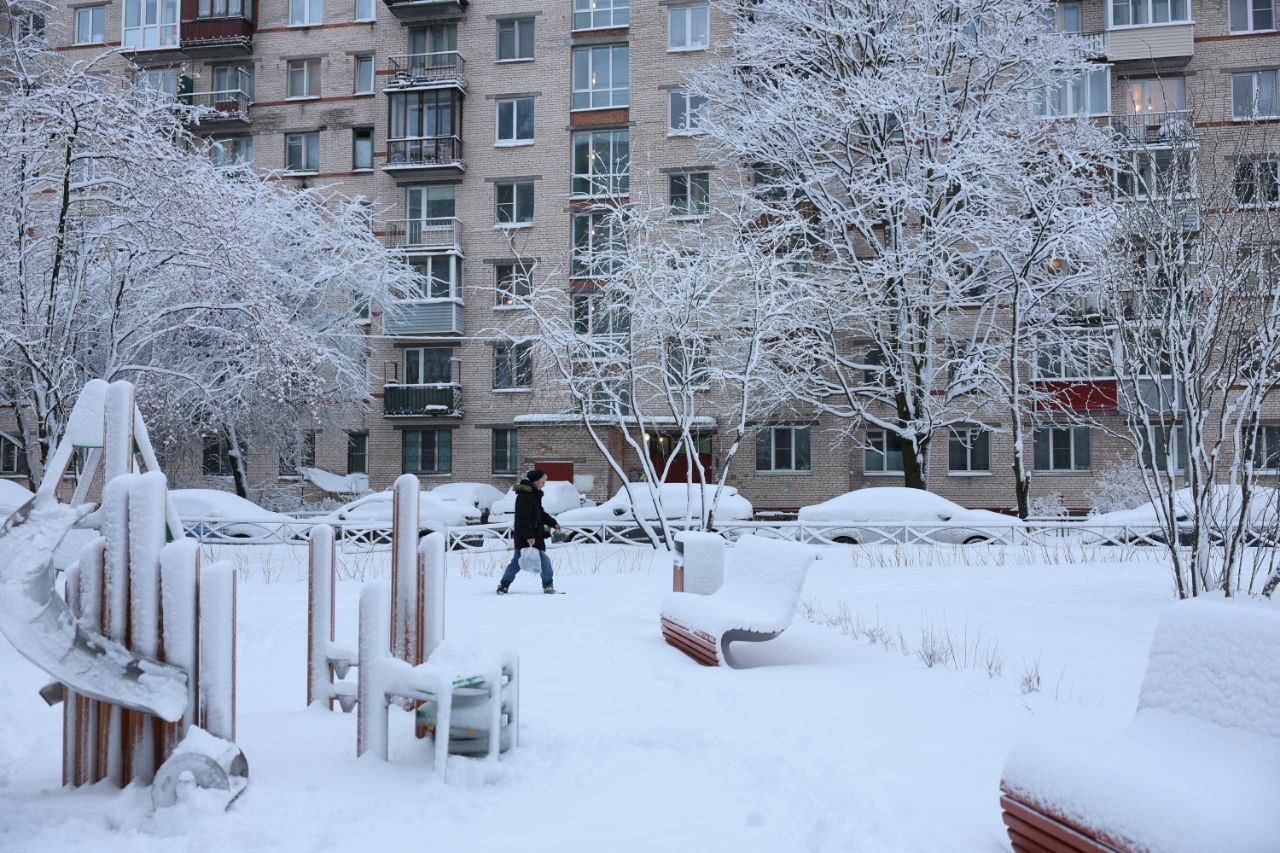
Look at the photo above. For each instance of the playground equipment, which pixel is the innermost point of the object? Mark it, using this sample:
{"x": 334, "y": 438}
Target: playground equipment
{"x": 142, "y": 648}
{"x": 402, "y": 656}
{"x": 1198, "y": 768}
{"x": 752, "y": 602}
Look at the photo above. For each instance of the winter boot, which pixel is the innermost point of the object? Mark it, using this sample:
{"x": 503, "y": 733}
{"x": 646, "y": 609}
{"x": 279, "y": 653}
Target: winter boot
{"x": 549, "y": 589}
{"x": 503, "y": 587}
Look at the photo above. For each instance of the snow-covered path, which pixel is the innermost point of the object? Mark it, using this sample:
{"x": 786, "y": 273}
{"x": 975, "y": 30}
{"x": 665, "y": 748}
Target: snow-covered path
{"x": 826, "y": 743}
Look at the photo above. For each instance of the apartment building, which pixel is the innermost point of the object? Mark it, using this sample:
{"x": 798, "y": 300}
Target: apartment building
{"x": 482, "y": 131}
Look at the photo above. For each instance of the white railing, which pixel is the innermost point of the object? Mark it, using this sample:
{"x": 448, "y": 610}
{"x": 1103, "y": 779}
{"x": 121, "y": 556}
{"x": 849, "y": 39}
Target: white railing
{"x": 497, "y": 536}
{"x": 440, "y": 233}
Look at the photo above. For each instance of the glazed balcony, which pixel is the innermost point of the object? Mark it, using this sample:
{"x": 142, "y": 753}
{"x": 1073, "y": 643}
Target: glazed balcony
{"x": 440, "y": 154}
{"x": 413, "y": 71}
{"x": 424, "y": 317}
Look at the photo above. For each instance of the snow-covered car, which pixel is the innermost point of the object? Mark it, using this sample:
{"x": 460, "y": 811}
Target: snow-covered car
{"x": 482, "y": 496}
{"x": 374, "y": 511}
{"x": 1145, "y": 524}
{"x": 899, "y": 514}
{"x": 212, "y": 514}
{"x": 678, "y": 500}
{"x": 558, "y": 496}
{"x": 12, "y": 496}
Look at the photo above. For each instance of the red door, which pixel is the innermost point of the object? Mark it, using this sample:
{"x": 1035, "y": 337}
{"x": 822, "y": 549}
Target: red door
{"x": 556, "y": 470}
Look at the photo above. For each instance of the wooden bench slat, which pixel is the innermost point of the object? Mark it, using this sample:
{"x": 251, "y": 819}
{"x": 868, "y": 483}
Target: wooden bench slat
{"x": 1035, "y": 824}
{"x": 696, "y": 645}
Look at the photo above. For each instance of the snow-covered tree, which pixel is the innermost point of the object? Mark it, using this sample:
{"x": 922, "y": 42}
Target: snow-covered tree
{"x": 230, "y": 300}
{"x": 900, "y": 145}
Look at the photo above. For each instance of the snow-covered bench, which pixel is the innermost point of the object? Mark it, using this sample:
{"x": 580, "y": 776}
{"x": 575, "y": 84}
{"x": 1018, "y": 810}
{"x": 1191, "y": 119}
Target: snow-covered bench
{"x": 755, "y": 602}
{"x": 1198, "y": 768}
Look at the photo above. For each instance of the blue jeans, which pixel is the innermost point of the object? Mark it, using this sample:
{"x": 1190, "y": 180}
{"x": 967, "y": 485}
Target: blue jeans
{"x": 513, "y": 568}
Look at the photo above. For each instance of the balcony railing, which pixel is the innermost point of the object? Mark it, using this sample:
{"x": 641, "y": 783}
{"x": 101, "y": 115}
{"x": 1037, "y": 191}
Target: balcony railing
{"x": 1092, "y": 45}
{"x": 425, "y": 70}
{"x": 1155, "y": 128}
{"x": 420, "y": 400}
{"x": 431, "y": 152}
{"x": 228, "y": 105}
{"x": 421, "y": 234}
{"x": 425, "y": 8}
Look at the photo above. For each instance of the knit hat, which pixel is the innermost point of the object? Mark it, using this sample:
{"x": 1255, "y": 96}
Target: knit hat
{"x": 535, "y": 475}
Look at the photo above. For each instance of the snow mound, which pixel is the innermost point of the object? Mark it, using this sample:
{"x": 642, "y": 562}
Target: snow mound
{"x": 557, "y": 496}
{"x": 12, "y": 496}
{"x": 336, "y": 484}
{"x": 479, "y": 495}
{"x": 678, "y": 501}
{"x": 1198, "y": 769}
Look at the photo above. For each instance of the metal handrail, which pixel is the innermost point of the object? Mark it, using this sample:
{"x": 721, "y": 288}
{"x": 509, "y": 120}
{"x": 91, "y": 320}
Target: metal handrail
{"x": 411, "y": 68}
{"x": 438, "y": 233}
{"x": 416, "y": 151}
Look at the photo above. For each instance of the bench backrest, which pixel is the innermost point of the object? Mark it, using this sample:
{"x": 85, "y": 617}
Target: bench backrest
{"x": 703, "y": 558}
{"x": 1217, "y": 661}
{"x": 771, "y": 572}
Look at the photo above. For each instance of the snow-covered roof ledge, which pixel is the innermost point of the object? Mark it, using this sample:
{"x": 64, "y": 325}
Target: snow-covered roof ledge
{"x": 700, "y": 421}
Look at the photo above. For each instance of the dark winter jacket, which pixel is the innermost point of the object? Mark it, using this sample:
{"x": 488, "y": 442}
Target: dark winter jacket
{"x": 531, "y": 522}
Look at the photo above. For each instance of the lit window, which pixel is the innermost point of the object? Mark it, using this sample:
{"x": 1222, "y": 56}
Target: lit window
{"x": 512, "y": 283}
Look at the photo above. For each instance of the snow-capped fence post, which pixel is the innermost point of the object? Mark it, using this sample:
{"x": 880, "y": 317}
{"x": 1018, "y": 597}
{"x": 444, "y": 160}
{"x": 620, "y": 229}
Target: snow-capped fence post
{"x": 146, "y": 538}
{"x": 217, "y": 650}
{"x": 321, "y": 556}
{"x": 431, "y": 576}
{"x": 179, "y": 594}
{"x": 404, "y": 570}
{"x": 375, "y": 630}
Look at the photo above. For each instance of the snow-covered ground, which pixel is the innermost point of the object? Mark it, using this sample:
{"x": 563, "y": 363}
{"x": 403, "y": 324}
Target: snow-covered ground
{"x": 837, "y": 737}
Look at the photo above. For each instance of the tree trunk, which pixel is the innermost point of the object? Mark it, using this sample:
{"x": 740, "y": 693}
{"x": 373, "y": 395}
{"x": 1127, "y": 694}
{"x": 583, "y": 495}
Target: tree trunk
{"x": 238, "y": 473}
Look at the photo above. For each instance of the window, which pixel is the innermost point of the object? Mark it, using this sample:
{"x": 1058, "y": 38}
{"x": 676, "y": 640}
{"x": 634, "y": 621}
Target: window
{"x": 1252, "y": 15}
{"x": 608, "y": 398}
{"x": 1157, "y": 95}
{"x": 428, "y": 366}
{"x": 1137, "y": 13}
{"x": 686, "y": 363}
{"x": 515, "y": 121}
{"x": 600, "y": 77}
{"x": 873, "y": 373}
{"x": 1082, "y": 357}
{"x": 512, "y": 282}
{"x": 598, "y": 14}
{"x": 513, "y": 365}
{"x": 969, "y": 451}
{"x": 688, "y": 193}
{"x": 515, "y": 202}
{"x": 782, "y": 449}
{"x": 357, "y": 453}
{"x": 224, "y": 9}
{"x": 427, "y": 451}
{"x": 361, "y": 148}
{"x": 30, "y": 25}
{"x": 232, "y": 151}
{"x": 12, "y": 459}
{"x": 216, "y": 459}
{"x": 150, "y": 24}
{"x": 1257, "y": 182}
{"x": 365, "y": 10}
{"x": 1157, "y": 453}
{"x": 431, "y": 205}
{"x": 424, "y": 127}
{"x": 685, "y": 112}
{"x": 594, "y": 235}
{"x": 438, "y": 275}
{"x": 163, "y": 81}
{"x": 363, "y": 75}
{"x": 593, "y": 316}
{"x": 768, "y": 183}
{"x": 504, "y": 451}
{"x": 1088, "y": 94}
{"x": 435, "y": 46}
{"x": 1065, "y": 18}
{"x": 303, "y": 79}
{"x": 515, "y": 39}
{"x": 1261, "y": 265}
{"x": 1253, "y": 95}
{"x": 305, "y": 13}
{"x": 882, "y": 453}
{"x": 302, "y": 151}
{"x": 233, "y": 78}
{"x": 89, "y": 25}
{"x": 687, "y": 27}
{"x": 298, "y": 453}
{"x": 1061, "y": 448}
{"x": 602, "y": 163}
{"x": 1157, "y": 172}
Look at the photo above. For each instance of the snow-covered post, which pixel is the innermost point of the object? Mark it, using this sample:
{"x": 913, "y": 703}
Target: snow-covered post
{"x": 147, "y": 510}
{"x": 118, "y": 445}
{"x": 321, "y": 556}
{"x": 115, "y": 596}
{"x": 72, "y": 733}
{"x": 217, "y": 639}
{"x": 179, "y": 580}
{"x": 404, "y": 569}
{"x": 371, "y": 700}
{"x": 431, "y": 575}
{"x": 89, "y": 578}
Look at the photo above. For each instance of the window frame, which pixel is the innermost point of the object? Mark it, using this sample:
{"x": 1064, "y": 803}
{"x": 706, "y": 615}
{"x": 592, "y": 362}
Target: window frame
{"x": 1148, "y": 8}
{"x": 97, "y": 36}
{"x": 357, "y": 134}
{"x": 306, "y": 457}
{"x": 518, "y": 366}
{"x": 515, "y": 140}
{"x": 305, "y": 138}
{"x": 357, "y": 63}
{"x": 767, "y": 442}
{"x": 582, "y": 265}
{"x": 1182, "y": 452}
{"x": 877, "y": 444}
{"x": 593, "y": 8}
{"x": 615, "y": 184}
{"x": 1267, "y": 448}
{"x": 518, "y": 43}
{"x": 689, "y": 112}
{"x": 442, "y": 449}
{"x": 1073, "y": 448}
{"x": 168, "y": 18}
{"x": 519, "y": 271}
{"x": 1265, "y": 183}
{"x": 1255, "y": 79}
{"x": 425, "y": 267}
{"x": 518, "y": 189}
{"x": 13, "y": 459}
{"x": 417, "y": 358}
{"x": 243, "y": 142}
{"x": 978, "y": 442}
{"x": 358, "y": 448}
{"x": 1250, "y": 10}
{"x": 305, "y": 13}
{"x": 311, "y": 73}
{"x": 510, "y": 450}
{"x": 1046, "y": 109}
{"x": 373, "y": 11}
{"x": 691, "y": 209}
{"x": 618, "y": 97}
{"x": 686, "y": 11}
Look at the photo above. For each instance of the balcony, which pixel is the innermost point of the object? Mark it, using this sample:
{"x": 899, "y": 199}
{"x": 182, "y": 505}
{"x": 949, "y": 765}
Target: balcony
{"x": 1167, "y": 127}
{"x": 436, "y": 154}
{"x": 424, "y": 317}
{"x": 1169, "y": 44}
{"x": 422, "y": 235}
{"x": 212, "y": 38}
{"x": 413, "y": 71}
{"x": 416, "y": 401}
{"x": 228, "y": 108}
{"x": 1092, "y": 45}
{"x": 417, "y": 10}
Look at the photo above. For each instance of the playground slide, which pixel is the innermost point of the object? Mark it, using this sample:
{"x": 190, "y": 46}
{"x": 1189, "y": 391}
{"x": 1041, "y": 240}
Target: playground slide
{"x": 39, "y": 624}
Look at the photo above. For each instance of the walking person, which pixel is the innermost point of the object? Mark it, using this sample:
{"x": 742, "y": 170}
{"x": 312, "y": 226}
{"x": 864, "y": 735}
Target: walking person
{"x": 529, "y": 530}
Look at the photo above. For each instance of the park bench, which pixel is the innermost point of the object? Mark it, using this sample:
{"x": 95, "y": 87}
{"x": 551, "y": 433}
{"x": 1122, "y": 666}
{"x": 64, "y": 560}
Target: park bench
{"x": 1198, "y": 767}
{"x": 755, "y": 602}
